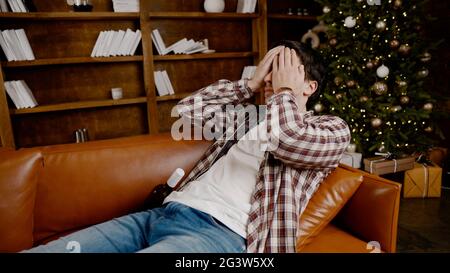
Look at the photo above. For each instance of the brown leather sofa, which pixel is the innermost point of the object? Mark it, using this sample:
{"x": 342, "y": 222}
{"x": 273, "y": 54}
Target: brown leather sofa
{"x": 49, "y": 192}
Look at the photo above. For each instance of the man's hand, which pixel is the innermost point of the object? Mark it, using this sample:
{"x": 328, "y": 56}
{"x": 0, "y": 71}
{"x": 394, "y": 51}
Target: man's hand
{"x": 264, "y": 68}
{"x": 288, "y": 73}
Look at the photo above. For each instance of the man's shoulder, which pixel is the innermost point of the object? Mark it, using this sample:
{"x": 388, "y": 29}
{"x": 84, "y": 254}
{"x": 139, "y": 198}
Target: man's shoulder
{"x": 327, "y": 119}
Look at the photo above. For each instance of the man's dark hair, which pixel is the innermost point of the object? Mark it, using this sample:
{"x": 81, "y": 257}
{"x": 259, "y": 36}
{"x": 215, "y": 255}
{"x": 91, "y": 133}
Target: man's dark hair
{"x": 313, "y": 62}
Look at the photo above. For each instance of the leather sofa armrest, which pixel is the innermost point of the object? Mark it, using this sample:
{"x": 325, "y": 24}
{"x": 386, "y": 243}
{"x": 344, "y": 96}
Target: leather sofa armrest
{"x": 372, "y": 213}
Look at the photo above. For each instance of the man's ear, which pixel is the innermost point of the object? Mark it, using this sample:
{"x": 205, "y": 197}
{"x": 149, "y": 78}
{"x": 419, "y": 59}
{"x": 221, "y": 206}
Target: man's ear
{"x": 311, "y": 88}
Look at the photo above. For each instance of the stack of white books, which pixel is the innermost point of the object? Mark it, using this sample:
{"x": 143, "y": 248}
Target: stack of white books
{"x": 248, "y": 72}
{"x": 126, "y": 5}
{"x": 163, "y": 84}
{"x": 246, "y": 6}
{"x": 20, "y": 94}
{"x": 15, "y": 45}
{"x": 14, "y": 6}
{"x": 117, "y": 43}
{"x": 183, "y": 46}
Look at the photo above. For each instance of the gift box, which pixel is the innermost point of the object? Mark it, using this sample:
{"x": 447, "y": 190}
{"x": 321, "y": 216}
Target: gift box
{"x": 423, "y": 181}
{"x": 381, "y": 165}
{"x": 351, "y": 159}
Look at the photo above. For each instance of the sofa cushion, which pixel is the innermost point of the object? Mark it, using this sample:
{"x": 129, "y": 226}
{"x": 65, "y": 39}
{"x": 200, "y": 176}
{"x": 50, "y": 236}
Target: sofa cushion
{"x": 325, "y": 204}
{"x": 335, "y": 240}
{"x": 85, "y": 184}
{"x": 18, "y": 175}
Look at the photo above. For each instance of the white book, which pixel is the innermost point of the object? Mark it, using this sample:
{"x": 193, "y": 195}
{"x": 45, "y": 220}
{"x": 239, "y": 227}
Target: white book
{"x": 160, "y": 41}
{"x": 9, "y": 36}
{"x": 113, "y": 50}
{"x": 27, "y": 89}
{"x": 253, "y": 6}
{"x": 174, "y": 45}
{"x": 136, "y": 42}
{"x": 23, "y": 93}
{"x": 107, "y": 43}
{"x": 240, "y": 6}
{"x": 125, "y": 41}
{"x": 184, "y": 46}
{"x": 101, "y": 46}
{"x": 22, "y": 96}
{"x": 156, "y": 44}
{"x": 130, "y": 43}
{"x": 13, "y": 95}
{"x": 168, "y": 83}
{"x": 13, "y": 5}
{"x": 110, "y": 43}
{"x": 8, "y": 53}
{"x": 159, "y": 83}
{"x": 3, "y": 6}
{"x": 97, "y": 44}
{"x": 21, "y": 5}
{"x": 25, "y": 44}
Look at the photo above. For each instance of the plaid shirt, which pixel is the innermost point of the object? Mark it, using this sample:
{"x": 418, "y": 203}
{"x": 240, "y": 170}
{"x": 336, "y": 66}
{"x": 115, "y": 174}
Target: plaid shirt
{"x": 304, "y": 151}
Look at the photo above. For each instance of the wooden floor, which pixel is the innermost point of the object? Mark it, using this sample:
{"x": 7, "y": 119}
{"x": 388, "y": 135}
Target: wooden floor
{"x": 424, "y": 224}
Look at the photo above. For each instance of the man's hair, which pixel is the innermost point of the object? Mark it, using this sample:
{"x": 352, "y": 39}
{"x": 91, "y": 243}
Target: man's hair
{"x": 313, "y": 62}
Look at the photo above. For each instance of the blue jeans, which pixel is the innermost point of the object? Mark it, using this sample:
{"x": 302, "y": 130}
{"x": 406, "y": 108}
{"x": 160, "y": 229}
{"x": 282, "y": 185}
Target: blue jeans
{"x": 171, "y": 228}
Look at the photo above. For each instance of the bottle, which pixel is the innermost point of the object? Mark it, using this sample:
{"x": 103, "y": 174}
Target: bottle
{"x": 82, "y": 5}
{"x": 160, "y": 192}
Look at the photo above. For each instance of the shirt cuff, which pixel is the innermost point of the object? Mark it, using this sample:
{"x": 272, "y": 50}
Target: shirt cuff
{"x": 283, "y": 96}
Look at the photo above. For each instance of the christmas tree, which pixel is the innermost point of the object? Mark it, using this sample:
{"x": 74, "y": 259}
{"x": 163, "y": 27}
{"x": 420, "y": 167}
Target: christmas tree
{"x": 377, "y": 72}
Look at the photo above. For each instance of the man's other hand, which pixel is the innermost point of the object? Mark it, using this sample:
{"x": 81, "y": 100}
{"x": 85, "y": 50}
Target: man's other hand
{"x": 287, "y": 72}
{"x": 264, "y": 68}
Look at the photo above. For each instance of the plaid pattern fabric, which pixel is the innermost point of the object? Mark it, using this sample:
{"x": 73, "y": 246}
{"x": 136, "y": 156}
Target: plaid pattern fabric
{"x": 303, "y": 150}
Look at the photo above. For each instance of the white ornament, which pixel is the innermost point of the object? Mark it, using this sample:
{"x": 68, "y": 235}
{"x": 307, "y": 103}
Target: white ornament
{"x": 350, "y": 22}
{"x": 351, "y": 148}
{"x": 382, "y": 71}
{"x": 326, "y": 9}
{"x": 214, "y": 5}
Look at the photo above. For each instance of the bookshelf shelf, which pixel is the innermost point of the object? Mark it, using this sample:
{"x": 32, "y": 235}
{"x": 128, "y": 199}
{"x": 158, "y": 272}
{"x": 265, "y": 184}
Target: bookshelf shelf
{"x": 221, "y": 55}
{"x": 202, "y": 15}
{"x": 68, "y": 15}
{"x": 292, "y": 17}
{"x": 78, "y": 105}
{"x": 72, "y": 60}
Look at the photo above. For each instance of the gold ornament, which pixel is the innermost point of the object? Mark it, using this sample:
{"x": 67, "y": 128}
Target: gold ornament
{"x": 402, "y": 84}
{"x": 428, "y": 129}
{"x": 394, "y": 44}
{"x": 428, "y": 106}
{"x": 333, "y": 42}
{"x": 318, "y": 107}
{"x": 350, "y": 83}
{"x": 339, "y": 96}
{"x": 397, "y": 3}
{"x": 426, "y": 57}
{"x": 338, "y": 81}
{"x": 369, "y": 65}
{"x": 396, "y": 108}
{"x": 380, "y": 88}
{"x": 404, "y": 49}
{"x": 376, "y": 122}
{"x": 423, "y": 73}
{"x": 380, "y": 25}
{"x": 404, "y": 99}
{"x": 363, "y": 99}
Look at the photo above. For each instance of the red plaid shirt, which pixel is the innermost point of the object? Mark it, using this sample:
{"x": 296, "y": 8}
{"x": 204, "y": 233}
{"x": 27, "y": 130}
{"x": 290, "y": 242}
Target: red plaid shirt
{"x": 304, "y": 151}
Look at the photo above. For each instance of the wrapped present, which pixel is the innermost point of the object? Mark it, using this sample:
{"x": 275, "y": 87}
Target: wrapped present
{"x": 437, "y": 155}
{"x": 351, "y": 159}
{"x": 384, "y": 164}
{"x": 423, "y": 181}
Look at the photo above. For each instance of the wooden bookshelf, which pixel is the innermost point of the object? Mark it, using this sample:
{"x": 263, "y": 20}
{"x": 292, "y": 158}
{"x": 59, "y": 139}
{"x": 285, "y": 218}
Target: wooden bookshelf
{"x": 202, "y": 15}
{"x": 221, "y": 55}
{"x": 73, "y": 60}
{"x": 34, "y": 16}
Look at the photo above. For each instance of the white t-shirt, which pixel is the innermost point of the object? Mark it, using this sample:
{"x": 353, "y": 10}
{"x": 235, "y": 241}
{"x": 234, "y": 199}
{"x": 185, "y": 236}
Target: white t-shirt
{"x": 225, "y": 190}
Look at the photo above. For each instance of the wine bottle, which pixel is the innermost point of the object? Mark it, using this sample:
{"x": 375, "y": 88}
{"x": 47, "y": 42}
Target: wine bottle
{"x": 160, "y": 192}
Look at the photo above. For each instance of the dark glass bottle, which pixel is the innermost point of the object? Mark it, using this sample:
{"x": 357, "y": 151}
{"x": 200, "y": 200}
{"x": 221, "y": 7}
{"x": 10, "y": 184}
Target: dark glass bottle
{"x": 82, "y": 5}
{"x": 160, "y": 192}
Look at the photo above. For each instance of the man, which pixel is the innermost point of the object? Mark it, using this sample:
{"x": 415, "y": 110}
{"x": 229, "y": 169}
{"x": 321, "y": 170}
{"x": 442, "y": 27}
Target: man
{"x": 246, "y": 193}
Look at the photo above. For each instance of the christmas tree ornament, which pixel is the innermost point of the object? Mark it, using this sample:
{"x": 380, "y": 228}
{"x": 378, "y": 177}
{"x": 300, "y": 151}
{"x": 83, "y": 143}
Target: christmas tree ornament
{"x": 349, "y": 22}
{"x": 363, "y": 98}
{"x": 396, "y": 108}
{"x": 426, "y": 57}
{"x": 382, "y": 71}
{"x": 404, "y": 99}
{"x": 380, "y": 88}
{"x": 351, "y": 148}
{"x": 318, "y": 107}
{"x": 423, "y": 73}
{"x": 350, "y": 83}
{"x": 369, "y": 65}
{"x": 326, "y": 9}
{"x": 381, "y": 149}
{"x": 338, "y": 81}
{"x": 376, "y": 62}
{"x": 428, "y": 106}
{"x": 402, "y": 84}
{"x": 312, "y": 37}
{"x": 428, "y": 129}
{"x": 397, "y": 3}
{"x": 376, "y": 122}
{"x": 404, "y": 49}
{"x": 333, "y": 42}
{"x": 394, "y": 44}
{"x": 339, "y": 96}
{"x": 380, "y": 25}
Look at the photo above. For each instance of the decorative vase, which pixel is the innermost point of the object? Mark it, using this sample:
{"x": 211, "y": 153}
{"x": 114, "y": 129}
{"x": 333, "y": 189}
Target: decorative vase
{"x": 214, "y": 5}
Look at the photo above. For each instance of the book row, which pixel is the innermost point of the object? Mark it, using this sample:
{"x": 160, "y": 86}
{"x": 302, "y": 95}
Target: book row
{"x": 183, "y": 46}
{"x": 20, "y": 94}
{"x": 117, "y": 43}
{"x": 17, "y": 6}
{"x": 163, "y": 84}
{"x": 15, "y": 45}
{"x": 246, "y": 6}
